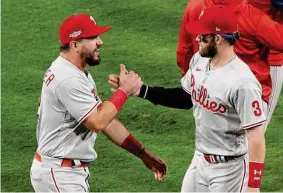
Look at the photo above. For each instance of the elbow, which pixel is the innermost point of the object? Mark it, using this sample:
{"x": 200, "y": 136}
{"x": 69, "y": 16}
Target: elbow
{"x": 258, "y": 142}
{"x": 98, "y": 126}
{"x": 94, "y": 124}
{"x": 256, "y": 136}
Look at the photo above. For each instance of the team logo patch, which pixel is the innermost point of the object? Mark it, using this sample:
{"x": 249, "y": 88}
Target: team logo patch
{"x": 75, "y": 34}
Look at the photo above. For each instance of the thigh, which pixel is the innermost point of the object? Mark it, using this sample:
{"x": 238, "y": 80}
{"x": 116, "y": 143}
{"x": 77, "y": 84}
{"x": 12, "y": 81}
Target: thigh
{"x": 41, "y": 178}
{"x": 59, "y": 179}
{"x": 229, "y": 177}
{"x": 71, "y": 179}
{"x": 190, "y": 180}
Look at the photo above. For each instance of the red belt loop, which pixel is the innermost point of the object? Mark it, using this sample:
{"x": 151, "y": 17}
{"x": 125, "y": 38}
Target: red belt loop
{"x": 67, "y": 163}
{"x": 38, "y": 157}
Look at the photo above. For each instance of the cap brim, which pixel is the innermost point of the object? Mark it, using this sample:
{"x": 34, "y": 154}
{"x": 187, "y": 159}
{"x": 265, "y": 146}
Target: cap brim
{"x": 96, "y": 31}
{"x": 197, "y": 28}
{"x": 102, "y": 30}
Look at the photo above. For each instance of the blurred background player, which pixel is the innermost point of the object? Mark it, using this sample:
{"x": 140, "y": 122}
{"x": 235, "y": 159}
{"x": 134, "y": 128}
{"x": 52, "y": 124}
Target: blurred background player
{"x": 274, "y": 8}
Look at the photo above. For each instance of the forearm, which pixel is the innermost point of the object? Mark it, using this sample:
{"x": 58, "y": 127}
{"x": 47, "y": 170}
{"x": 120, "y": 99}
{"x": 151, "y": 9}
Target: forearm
{"x": 118, "y": 134}
{"x": 256, "y": 144}
{"x": 266, "y": 24}
{"x": 169, "y": 97}
{"x": 256, "y": 151}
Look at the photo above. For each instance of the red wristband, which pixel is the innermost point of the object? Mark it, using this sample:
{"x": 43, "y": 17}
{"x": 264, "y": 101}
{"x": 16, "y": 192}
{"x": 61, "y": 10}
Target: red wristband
{"x": 118, "y": 99}
{"x": 132, "y": 145}
{"x": 255, "y": 174}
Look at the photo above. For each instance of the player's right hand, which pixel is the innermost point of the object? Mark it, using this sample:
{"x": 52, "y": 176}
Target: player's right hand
{"x": 126, "y": 81}
{"x": 130, "y": 82}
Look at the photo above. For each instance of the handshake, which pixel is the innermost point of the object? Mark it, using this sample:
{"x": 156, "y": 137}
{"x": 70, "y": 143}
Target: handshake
{"x": 129, "y": 82}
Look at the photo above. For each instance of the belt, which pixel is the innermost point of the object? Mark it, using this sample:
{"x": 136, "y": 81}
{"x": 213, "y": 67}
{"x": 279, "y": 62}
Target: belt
{"x": 219, "y": 158}
{"x": 65, "y": 162}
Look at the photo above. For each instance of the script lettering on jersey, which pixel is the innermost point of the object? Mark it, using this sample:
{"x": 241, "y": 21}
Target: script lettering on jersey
{"x": 48, "y": 77}
{"x": 201, "y": 97}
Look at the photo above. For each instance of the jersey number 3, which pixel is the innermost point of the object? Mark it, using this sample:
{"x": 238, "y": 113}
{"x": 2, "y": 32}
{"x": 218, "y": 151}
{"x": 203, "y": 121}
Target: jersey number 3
{"x": 256, "y": 106}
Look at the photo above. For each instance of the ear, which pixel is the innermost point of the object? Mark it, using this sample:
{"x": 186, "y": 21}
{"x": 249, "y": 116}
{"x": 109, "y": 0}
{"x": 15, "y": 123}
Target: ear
{"x": 73, "y": 44}
{"x": 218, "y": 39}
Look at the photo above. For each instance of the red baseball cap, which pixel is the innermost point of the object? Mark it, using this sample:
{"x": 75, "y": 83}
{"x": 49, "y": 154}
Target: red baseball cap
{"x": 79, "y": 26}
{"x": 214, "y": 20}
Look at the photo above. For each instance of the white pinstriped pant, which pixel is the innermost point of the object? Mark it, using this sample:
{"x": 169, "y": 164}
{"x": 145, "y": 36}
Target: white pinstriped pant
{"x": 277, "y": 81}
{"x": 229, "y": 176}
{"x": 51, "y": 177}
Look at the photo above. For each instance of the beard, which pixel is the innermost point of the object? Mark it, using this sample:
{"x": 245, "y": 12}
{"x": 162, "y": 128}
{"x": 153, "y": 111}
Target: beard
{"x": 93, "y": 61}
{"x": 210, "y": 50}
{"x": 90, "y": 59}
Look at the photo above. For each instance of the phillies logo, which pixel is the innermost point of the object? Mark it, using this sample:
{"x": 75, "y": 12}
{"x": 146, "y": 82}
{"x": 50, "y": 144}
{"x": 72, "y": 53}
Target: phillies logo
{"x": 201, "y": 97}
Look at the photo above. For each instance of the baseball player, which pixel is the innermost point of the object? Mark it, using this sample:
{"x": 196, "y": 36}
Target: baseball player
{"x": 255, "y": 27}
{"x": 226, "y": 100}
{"x": 274, "y": 8}
{"x": 71, "y": 113}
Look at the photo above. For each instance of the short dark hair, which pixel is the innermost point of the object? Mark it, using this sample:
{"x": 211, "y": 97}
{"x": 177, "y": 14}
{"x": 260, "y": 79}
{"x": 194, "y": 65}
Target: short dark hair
{"x": 65, "y": 47}
{"x": 231, "y": 38}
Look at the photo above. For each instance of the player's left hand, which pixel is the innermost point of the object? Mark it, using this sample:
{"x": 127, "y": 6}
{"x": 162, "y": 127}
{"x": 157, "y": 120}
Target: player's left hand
{"x": 155, "y": 164}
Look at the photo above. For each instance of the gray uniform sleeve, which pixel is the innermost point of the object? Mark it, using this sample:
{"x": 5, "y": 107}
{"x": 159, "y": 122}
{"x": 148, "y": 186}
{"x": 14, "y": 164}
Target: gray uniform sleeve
{"x": 248, "y": 104}
{"x": 77, "y": 97}
{"x": 186, "y": 82}
{"x": 187, "y": 79}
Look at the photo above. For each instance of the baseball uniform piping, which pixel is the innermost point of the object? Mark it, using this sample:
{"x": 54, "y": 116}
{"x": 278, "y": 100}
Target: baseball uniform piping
{"x": 253, "y": 125}
{"x": 243, "y": 176}
{"x": 53, "y": 178}
{"x": 81, "y": 119}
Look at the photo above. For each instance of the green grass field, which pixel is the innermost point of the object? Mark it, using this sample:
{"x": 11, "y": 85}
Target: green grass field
{"x": 144, "y": 36}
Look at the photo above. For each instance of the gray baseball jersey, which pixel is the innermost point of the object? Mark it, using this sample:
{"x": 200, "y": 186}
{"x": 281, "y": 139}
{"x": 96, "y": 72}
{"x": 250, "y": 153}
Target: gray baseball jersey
{"x": 226, "y": 101}
{"x": 68, "y": 96}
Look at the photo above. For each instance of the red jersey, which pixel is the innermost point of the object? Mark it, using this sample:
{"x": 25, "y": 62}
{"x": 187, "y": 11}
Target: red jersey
{"x": 275, "y": 57}
{"x": 257, "y": 30}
